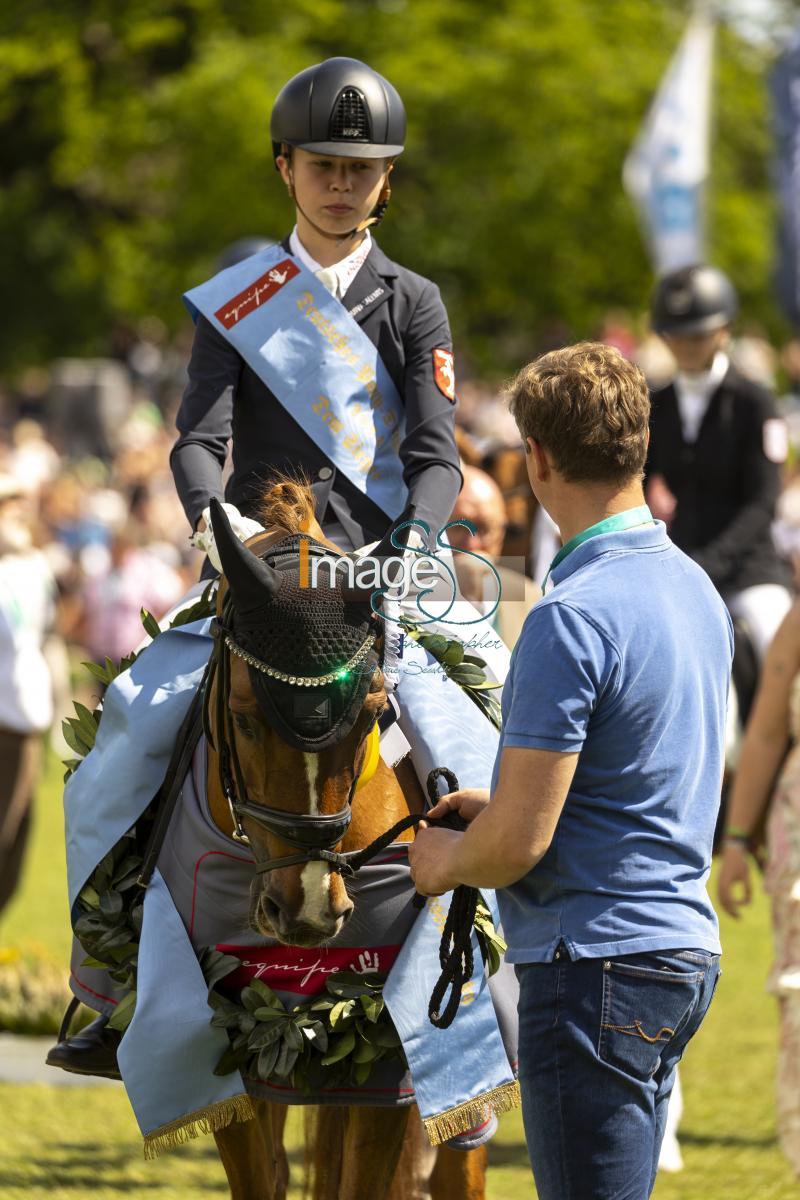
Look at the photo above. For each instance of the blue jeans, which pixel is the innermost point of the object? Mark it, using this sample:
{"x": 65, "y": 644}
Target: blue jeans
{"x": 599, "y": 1041}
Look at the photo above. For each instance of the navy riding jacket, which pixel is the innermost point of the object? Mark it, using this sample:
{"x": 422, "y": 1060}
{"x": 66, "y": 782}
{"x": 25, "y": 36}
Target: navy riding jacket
{"x": 403, "y": 315}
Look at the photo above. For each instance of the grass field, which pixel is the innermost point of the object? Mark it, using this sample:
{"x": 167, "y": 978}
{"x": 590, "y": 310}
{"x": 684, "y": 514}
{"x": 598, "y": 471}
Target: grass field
{"x": 73, "y": 1143}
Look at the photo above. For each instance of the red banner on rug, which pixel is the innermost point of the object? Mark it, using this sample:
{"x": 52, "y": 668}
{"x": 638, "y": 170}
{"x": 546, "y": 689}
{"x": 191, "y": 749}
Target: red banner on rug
{"x": 295, "y": 969}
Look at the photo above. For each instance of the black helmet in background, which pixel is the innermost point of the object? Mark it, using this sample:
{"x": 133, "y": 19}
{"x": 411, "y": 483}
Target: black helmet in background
{"x": 339, "y": 107}
{"x": 693, "y": 301}
{"x": 244, "y": 248}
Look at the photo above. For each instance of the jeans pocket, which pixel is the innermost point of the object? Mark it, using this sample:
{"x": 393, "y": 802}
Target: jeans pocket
{"x": 644, "y": 1006}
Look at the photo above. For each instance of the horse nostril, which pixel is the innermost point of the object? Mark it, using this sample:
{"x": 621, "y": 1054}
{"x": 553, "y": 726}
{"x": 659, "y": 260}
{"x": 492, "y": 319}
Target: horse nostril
{"x": 346, "y": 914}
{"x": 271, "y": 910}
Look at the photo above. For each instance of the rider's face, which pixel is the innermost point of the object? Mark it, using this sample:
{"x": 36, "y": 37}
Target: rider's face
{"x": 696, "y": 353}
{"x": 336, "y": 193}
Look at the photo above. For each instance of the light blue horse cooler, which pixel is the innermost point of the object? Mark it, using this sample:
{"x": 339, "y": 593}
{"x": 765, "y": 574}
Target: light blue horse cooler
{"x": 198, "y": 899}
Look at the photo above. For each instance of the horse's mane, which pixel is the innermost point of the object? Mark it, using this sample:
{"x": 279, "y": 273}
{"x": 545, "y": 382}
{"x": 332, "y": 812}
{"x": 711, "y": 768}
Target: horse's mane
{"x": 288, "y": 503}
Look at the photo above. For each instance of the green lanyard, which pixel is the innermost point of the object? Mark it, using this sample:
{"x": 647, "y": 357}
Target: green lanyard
{"x": 615, "y": 524}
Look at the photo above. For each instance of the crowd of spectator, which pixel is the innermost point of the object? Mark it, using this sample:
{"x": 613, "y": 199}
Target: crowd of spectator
{"x": 87, "y": 442}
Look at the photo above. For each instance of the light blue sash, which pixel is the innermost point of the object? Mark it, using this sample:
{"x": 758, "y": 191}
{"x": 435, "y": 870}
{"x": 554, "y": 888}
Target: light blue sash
{"x": 324, "y": 370}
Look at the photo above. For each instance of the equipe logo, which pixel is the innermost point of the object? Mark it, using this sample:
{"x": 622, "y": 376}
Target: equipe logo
{"x": 257, "y": 293}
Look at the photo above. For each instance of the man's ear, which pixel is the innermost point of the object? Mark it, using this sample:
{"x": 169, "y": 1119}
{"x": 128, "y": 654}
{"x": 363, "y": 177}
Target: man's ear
{"x": 539, "y": 460}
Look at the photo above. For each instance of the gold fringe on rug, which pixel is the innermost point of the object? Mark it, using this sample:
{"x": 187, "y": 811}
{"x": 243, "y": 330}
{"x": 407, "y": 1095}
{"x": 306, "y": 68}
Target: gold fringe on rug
{"x": 203, "y": 1120}
{"x": 466, "y": 1116}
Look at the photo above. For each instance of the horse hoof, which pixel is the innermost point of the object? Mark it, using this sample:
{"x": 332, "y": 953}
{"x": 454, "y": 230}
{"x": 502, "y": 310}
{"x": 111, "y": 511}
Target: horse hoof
{"x": 93, "y": 1051}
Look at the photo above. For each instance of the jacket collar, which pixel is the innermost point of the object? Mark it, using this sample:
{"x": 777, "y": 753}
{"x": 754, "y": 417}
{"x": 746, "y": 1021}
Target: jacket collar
{"x": 371, "y": 286}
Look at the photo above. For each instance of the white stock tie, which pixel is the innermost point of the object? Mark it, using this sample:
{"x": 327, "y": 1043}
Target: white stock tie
{"x": 329, "y": 279}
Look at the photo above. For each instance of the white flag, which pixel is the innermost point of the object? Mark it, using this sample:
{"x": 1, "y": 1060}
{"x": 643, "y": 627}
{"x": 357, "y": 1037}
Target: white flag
{"x": 666, "y": 169}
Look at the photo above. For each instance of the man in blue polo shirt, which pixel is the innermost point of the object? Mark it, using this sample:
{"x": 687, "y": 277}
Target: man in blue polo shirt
{"x": 605, "y": 792}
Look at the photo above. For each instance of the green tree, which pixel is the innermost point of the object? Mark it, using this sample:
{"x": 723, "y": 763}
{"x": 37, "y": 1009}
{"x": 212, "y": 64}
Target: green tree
{"x": 134, "y": 145}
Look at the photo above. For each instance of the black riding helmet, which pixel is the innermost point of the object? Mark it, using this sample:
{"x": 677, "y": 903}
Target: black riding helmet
{"x": 339, "y": 107}
{"x": 693, "y": 300}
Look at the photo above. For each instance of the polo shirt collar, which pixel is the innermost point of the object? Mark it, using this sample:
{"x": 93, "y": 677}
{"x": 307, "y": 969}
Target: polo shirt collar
{"x": 640, "y": 537}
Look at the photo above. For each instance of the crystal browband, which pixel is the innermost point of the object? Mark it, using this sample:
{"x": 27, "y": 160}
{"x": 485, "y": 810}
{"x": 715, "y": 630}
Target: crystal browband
{"x": 302, "y": 680}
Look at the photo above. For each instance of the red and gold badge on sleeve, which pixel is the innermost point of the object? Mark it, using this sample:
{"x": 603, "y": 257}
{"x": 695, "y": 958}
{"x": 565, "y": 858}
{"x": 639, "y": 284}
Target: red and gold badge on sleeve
{"x": 444, "y": 373}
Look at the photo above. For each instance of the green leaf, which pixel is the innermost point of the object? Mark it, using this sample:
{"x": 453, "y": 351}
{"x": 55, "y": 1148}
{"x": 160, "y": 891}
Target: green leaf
{"x": 229, "y": 1062}
{"x": 246, "y": 1021}
{"x": 150, "y": 624}
{"x": 352, "y": 984}
{"x": 88, "y": 896}
{"x": 111, "y": 904}
{"x": 265, "y": 1064}
{"x": 454, "y": 654}
{"x": 340, "y": 1047}
{"x": 383, "y": 1034}
{"x": 265, "y": 1035}
{"x": 340, "y": 1012}
{"x": 287, "y": 1057}
{"x": 316, "y": 1034}
{"x": 475, "y": 660}
{"x": 122, "y": 1015}
{"x": 269, "y": 1014}
{"x": 466, "y": 675}
{"x": 251, "y": 999}
{"x": 87, "y": 720}
{"x": 435, "y": 643}
{"x": 373, "y": 1007}
{"x": 69, "y": 731}
{"x": 215, "y": 965}
{"x": 99, "y": 672}
{"x": 361, "y": 1072}
{"x": 365, "y": 1051}
{"x": 293, "y": 1036}
{"x": 266, "y": 993}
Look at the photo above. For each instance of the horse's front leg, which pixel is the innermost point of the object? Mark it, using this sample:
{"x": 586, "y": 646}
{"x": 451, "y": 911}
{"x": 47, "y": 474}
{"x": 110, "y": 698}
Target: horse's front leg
{"x": 253, "y": 1154}
{"x": 460, "y": 1173}
{"x": 373, "y": 1140}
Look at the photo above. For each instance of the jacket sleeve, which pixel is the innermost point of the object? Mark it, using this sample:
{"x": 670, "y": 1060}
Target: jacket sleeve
{"x": 204, "y": 420}
{"x": 761, "y": 486}
{"x": 428, "y": 451}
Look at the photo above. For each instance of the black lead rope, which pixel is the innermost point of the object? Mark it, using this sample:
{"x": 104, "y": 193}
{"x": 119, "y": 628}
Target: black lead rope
{"x": 455, "y": 949}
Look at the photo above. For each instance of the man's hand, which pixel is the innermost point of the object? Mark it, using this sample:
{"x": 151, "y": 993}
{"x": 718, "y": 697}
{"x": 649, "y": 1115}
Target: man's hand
{"x": 467, "y": 803}
{"x": 429, "y": 857}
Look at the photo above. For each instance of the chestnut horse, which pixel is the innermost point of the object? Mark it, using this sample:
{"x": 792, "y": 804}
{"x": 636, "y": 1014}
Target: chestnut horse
{"x": 356, "y": 1149}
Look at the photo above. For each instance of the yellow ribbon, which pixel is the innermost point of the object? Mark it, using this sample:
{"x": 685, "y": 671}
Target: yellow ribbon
{"x": 371, "y": 758}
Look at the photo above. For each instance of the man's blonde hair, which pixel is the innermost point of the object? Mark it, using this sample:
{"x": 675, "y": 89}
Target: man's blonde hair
{"x": 589, "y": 407}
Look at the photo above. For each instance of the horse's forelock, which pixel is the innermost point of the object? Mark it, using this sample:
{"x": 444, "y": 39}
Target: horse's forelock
{"x": 288, "y": 503}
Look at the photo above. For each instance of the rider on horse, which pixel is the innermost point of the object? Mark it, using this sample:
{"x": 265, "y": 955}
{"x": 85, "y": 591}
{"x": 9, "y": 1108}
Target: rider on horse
{"x": 336, "y": 129}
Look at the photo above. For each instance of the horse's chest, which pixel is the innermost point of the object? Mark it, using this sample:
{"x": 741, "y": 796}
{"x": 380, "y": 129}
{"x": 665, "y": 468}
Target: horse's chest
{"x": 209, "y": 877}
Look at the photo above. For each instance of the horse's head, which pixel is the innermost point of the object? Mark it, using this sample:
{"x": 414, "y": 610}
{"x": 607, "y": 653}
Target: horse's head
{"x": 292, "y": 711}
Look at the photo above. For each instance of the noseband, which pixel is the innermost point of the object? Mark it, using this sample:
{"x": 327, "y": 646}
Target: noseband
{"x": 314, "y": 836}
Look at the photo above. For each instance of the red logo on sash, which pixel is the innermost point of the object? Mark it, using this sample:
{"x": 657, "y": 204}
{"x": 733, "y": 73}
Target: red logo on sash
{"x": 263, "y": 289}
{"x": 444, "y": 373}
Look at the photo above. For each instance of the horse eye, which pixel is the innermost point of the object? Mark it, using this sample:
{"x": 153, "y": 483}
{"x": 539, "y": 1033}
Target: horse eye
{"x": 243, "y": 724}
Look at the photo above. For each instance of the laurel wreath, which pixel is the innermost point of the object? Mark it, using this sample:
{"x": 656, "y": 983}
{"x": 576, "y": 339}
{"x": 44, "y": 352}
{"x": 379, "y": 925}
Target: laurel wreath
{"x": 110, "y": 911}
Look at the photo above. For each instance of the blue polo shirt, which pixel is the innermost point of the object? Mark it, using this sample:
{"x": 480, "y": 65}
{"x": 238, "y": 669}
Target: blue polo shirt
{"x": 626, "y": 661}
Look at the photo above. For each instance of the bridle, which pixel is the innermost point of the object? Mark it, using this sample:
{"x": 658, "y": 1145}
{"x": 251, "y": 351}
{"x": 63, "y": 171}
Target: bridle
{"x": 313, "y": 835}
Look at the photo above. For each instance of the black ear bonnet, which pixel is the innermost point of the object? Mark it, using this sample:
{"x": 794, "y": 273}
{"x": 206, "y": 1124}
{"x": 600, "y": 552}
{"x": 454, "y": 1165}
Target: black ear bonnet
{"x": 311, "y": 652}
